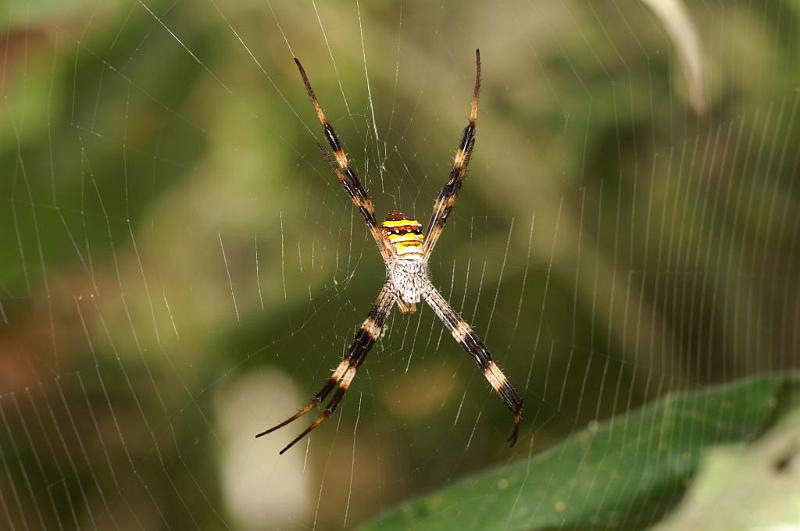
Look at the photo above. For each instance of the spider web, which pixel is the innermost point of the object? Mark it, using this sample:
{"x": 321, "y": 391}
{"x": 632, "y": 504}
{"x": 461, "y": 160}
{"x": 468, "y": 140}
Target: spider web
{"x": 180, "y": 268}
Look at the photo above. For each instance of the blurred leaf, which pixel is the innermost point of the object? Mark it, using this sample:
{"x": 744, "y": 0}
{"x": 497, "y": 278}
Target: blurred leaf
{"x": 756, "y": 486}
{"x": 26, "y": 107}
{"x": 679, "y": 26}
{"x": 31, "y": 12}
{"x": 627, "y": 471}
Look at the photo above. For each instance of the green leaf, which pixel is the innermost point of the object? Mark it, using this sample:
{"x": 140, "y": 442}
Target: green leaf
{"x": 758, "y": 484}
{"x": 625, "y": 472}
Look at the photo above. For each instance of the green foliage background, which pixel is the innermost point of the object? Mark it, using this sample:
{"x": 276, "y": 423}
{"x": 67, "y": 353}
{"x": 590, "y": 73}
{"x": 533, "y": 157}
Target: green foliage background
{"x": 180, "y": 268}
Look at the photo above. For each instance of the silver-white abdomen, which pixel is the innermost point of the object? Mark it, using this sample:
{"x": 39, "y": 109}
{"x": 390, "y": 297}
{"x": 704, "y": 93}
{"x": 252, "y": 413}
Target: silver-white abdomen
{"x": 409, "y": 277}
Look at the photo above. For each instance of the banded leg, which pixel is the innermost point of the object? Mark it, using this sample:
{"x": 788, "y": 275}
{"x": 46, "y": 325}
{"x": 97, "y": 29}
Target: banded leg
{"x": 449, "y": 194}
{"x": 383, "y": 246}
{"x": 341, "y": 165}
{"x": 470, "y": 342}
{"x": 367, "y": 335}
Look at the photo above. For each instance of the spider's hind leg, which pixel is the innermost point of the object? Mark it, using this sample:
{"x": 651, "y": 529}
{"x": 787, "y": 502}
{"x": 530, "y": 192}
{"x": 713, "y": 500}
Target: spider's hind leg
{"x": 367, "y": 335}
{"x": 462, "y": 332}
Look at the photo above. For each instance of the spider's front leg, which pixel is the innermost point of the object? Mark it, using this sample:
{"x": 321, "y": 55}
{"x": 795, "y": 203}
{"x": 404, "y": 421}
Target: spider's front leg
{"x": 447, "y": 197}
{"x": 340, "y": 164}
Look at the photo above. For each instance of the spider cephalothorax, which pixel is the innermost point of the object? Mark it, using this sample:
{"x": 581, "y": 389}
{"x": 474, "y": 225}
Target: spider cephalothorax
{"x": 405, "y": 250}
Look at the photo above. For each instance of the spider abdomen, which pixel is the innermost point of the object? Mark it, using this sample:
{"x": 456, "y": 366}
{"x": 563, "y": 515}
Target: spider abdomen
{"x": 409, "y": 278}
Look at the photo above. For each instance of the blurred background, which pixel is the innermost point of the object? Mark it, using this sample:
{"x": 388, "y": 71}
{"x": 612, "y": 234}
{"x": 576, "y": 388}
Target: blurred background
{"x": 180, "y": 269}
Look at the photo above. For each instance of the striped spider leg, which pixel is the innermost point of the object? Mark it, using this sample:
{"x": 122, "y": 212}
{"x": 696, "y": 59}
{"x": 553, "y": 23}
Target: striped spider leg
{"x": 367, "y": 335}
{"x": 464, "y": 335}
{"x": 405, "y": 250}
{"x": 342, "y": 168}
{"x": 447, "y": 197}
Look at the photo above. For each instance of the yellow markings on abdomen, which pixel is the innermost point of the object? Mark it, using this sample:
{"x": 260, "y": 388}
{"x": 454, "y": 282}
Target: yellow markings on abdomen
{"x": 408, "y": 238}
{"x": 394, "y": 223}
{"x": 405, "y": 235}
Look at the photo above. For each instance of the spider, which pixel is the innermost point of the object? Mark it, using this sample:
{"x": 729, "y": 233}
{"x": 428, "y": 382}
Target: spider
{"x": 405, "y": 249}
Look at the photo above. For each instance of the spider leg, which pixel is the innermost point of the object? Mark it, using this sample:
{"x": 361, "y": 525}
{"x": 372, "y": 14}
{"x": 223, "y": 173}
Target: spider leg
{"x": 470, "y": 342}
{"x": 383, "y": 246}
{"x": 367, "y": 335}
{"x": 341, "y": 166}
{"x": 447, "y": 197}
{"x": 406, "y": 309}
